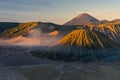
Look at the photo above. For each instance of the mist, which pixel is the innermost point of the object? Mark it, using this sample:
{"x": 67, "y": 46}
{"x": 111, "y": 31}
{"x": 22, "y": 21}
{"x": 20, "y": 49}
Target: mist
{"x": 33, "y": 38}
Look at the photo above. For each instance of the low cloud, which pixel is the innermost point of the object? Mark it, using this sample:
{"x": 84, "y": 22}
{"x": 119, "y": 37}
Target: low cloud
{"x": 34, "y": 38}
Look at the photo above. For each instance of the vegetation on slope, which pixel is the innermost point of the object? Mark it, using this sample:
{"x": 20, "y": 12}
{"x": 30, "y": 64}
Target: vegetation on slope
{"x": 7, "y": 25}
{"x": 21, "y": 29}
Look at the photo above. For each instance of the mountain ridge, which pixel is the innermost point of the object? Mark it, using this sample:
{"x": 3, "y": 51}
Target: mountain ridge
{"x": 87, "y": 38}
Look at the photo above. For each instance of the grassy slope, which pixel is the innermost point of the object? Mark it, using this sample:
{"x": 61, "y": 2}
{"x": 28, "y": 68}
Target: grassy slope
{"x": 21, "y": 29}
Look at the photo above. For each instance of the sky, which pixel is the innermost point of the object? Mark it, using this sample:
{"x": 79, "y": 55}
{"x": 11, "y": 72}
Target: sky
{"x": 57, "y": 11}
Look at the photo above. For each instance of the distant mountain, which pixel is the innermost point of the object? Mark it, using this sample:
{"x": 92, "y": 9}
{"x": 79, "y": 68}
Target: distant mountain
{"x": 105, "y": 21}
{"x": 83, "y": 19}
{"x": 116, "y": 20}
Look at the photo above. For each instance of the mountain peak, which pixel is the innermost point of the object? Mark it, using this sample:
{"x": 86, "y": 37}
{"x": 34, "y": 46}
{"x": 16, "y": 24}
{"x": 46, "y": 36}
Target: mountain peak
{"x": 83, "y": 19}
{"x": 83, "y": 14}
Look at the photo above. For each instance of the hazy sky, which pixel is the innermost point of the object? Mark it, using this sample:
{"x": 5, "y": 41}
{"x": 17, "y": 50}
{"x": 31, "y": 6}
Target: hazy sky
{"x": 57, "y": 11}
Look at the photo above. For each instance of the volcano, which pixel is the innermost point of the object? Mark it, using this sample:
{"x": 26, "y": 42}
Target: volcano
{"x": 82, "y": 45}
{"x": 86, "y": 45}
{"x": 87, "y": 39}
{"x": 83, "y": 19}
